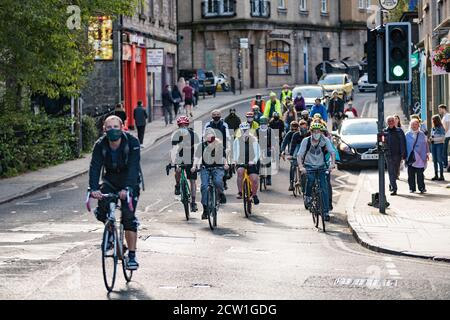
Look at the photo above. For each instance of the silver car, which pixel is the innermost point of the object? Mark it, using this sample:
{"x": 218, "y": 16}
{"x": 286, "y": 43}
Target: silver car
{"x": 364, "y": 85}
{"x": 310, "y": 93}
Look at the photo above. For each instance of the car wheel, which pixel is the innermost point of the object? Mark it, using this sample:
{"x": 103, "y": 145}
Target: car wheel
{"x": 340, "y": 167}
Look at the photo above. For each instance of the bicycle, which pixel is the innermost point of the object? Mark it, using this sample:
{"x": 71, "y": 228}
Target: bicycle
{"x": 316, "y": 205}
{"x": 298, "y": 191}
{"x": 184, "y": 188}
{"x": 246, "y": 192}
{"x": 113, "y": 246}
{"x": 213, "y": 202}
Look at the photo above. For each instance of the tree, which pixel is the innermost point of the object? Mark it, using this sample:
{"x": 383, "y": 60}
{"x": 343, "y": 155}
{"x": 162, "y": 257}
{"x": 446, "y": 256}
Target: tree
{"x": 43, "y": 50}
{"x": 396, "y": 14}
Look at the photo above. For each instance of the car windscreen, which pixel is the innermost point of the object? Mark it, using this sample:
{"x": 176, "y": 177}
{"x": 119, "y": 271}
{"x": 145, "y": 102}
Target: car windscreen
{"x": 209, "y": 74}
{"x": 332, "y": 80}
{"x": 359, "y": 128}
{"x": 308, "y": 92}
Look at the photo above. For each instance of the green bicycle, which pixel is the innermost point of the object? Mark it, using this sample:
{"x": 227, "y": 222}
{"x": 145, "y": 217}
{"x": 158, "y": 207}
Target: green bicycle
{"x": 185, "y": 190}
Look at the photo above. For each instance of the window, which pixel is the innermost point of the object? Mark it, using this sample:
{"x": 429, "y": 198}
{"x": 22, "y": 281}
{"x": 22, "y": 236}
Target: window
{"x": 368, "y": 4}
{"x": 260, "y": 8}
{"x": 217, "y": 8}
{"x": 324, "y": 6}
{"x": 278, "y": 54}
{"x": 325, "y": 54}
{"x": 303, "y": 5}
{"x": 361, "y": 4}
{"x": 282, "y": 4}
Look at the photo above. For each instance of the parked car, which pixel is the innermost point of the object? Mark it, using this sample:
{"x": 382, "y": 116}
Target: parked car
{"x": 206, "y": 79}
{"x": 332, "y": 66}
{"x": 310, "y": 93}
{"x": 364, "y": 85}
{"x": 356, "y": 142}
{"x": 341, "y": 82}
{"x": 353, "y": 69}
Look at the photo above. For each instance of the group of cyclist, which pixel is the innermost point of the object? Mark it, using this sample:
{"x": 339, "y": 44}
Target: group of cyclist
{"x": 225, "y": 146}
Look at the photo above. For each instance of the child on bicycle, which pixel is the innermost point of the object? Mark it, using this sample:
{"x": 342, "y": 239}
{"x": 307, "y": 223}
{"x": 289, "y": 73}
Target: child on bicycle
{"x": 313, "y": 156}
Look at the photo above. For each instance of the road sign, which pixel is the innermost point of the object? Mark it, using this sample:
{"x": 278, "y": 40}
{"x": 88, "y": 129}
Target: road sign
{"x": 244, "y": 43}
{"x": 414, "y": 60}
{"x": 388, "y": 4}
{"x": 155, "y": 57}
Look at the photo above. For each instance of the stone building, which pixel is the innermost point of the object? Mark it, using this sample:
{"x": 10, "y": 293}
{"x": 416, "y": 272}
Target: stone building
{"x": 287, "y": 39}
{"x": 136, "y": 58}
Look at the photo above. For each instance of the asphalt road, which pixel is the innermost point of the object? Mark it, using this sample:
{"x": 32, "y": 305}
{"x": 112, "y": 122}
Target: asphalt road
{"x": 50, "y": 248}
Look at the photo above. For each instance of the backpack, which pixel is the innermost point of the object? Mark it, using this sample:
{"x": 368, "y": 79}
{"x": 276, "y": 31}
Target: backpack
{"x": 126, "y": 151}
{"x": 308, "y": 147}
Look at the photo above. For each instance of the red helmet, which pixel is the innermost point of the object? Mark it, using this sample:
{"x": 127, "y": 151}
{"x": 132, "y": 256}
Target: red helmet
{"x": 183, "y": 120}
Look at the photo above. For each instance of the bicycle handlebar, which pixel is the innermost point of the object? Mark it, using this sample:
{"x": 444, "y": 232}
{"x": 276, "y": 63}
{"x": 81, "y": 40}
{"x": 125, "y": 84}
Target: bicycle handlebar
{"x": 112, "y": 196}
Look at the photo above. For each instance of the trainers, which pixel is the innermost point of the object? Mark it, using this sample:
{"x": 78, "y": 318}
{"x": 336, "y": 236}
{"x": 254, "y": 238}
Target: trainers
{"x": 177, "y": 190}
{"x": 291, "y": 187}
{"x": 307, "y": 202}
{"x": 239, "y": 195}
{"x": 194, "y": 207}
{"x": 269, "y": 181}
{"x": 205, "y": 215}
{"x": 132, "y": 264}
{"x": 441, "y": 179}
{"x": 394, "y": 193}
{"x": 255, "y": 200}
{"x": 423, "y": 191}
{"x": 435, "y": 178}
{"x": 327, "y": 217}
{"x": 223, "y": 198}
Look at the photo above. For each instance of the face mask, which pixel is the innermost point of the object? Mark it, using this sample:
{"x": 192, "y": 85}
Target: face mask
{"x": 316, "y": 136}
{"x": 249, "y": 120}
{"x": 264, "y": 127}
{"x": 276, "y": 118}
{"x": 114, "y": 134}
{"x": 216, "y": 119}
{"x": 306, "y": 117}
{"x": 304, "y": 131}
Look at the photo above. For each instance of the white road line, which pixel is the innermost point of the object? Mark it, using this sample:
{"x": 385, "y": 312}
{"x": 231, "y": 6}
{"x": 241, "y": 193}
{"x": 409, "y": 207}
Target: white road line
{"x": 387, "y": 259}
{"x": 167, "y": 207}
{"x": 394, "y": 272}
{"x": 390, "y": 266}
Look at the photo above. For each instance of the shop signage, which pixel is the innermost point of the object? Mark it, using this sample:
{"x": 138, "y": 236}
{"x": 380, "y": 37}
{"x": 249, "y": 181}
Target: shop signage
{"x": 278, "y": 35}
{"x": 151, "y": 69}
{"x": 155, "y": 57}
{"x": 243, "y": 43}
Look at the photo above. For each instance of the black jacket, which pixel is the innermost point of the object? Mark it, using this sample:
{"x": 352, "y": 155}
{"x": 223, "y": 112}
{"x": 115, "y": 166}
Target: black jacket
{"x": 334, "y": 107}
{"x": 140, "y": 116}
{"x": 167, "y": 99}
{"x": 277, "y": 125}
{"x": 233, "y": 121}
{"x": 396, "y": 145}
{"x": 125, "y": 172}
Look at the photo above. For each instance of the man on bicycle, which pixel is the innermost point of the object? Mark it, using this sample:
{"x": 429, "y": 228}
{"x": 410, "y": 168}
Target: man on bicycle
{"x": 184, "y": 140}
{"x": 288, "y": 142}
{"x": 211, "y": 154}
{"x": 246, "y": 153}
{"x": 264, "y": 135}
{"x": 119, "y": 154}
{"x": 313, "y": 156}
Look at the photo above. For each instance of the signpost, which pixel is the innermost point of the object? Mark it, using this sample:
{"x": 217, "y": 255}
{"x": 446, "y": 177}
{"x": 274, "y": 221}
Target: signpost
{"x": 243, "y": 44}
{"x": 388, "y": 4}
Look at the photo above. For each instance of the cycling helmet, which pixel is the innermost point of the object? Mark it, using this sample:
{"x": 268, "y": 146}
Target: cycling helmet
{"x": 317, "y": 116}
{"x": 250, "y": 114}
{"x": 305, "y": 113}
{"x": 273, "y": 94}
{"x": 263, "y": 120}
{"x": 334, "y": 92}
{"x": 183, "y": 120}
{"x": 244, "y": 126}
{"x": 316, "y": 126}
{"x": 276, "y": 114}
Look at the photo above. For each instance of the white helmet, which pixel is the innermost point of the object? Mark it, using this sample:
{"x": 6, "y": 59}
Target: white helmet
{"x": 244, "y": 126}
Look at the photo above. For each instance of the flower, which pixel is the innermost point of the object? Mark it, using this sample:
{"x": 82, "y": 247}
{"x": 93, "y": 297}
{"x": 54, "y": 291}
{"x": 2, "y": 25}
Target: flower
{"x": 442, "y": 56}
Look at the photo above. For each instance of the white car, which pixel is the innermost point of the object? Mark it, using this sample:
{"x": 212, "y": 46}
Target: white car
{"x": 310, "y": 93}
{"x": 364, "y": 85}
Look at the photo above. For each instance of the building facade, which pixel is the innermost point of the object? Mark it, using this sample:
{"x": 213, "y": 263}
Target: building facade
{"x": 287, "y": 39}
{"x": 143, "y": 60}
{"x": 434, "y": 29}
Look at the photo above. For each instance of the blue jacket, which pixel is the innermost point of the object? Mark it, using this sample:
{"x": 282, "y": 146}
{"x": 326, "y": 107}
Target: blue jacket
{"x": 321, "y": 109}
{"x": 421, "y": 148}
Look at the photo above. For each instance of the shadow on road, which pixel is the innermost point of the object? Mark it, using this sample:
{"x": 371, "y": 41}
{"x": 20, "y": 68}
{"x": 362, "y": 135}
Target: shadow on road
{"x": 130, "y": 293}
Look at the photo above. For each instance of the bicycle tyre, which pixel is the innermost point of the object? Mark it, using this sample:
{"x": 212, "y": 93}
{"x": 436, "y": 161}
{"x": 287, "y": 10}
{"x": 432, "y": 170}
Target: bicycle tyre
{"x": 320, "y": 211}
{"x": 128, "y": 274}
{"x": 212, "y": 214}
{"x": 247, "y": 200}
{"x": 185, "y": 199}
{"x": 109, "y": 282}
{"x": 295, "y": 184}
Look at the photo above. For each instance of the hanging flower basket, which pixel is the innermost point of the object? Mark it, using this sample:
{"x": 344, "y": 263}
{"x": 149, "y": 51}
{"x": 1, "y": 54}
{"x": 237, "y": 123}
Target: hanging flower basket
{"x": 442, "y": 57}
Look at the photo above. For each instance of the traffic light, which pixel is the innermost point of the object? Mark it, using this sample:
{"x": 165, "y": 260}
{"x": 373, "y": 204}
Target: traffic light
{"x": 372, "y": 56}
{"x": 398, "y": 52}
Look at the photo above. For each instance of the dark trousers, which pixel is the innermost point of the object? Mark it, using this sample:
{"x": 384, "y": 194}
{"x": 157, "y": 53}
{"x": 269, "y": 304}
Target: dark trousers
{"x": 141, "y": 132}
{"x": 445, "y": 152}
{"x": 176, "y": 107}
{"x": 414, "y": 173}
{"x": 168, "y": 117}
{"x": 393, "y": 166}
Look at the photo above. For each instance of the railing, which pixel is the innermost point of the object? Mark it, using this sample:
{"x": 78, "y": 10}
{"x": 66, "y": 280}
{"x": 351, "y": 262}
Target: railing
{"x": 218, "y": 8}
{"x": 260, "y": 8}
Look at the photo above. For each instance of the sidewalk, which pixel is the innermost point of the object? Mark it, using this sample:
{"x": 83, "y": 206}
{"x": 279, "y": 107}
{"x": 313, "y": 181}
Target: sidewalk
{"x": 414, "y": 225}
{"x": 25, "y": 184}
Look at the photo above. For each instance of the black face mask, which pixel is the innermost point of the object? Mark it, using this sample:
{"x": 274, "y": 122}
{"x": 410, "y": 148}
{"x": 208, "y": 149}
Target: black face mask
{"x": 276, "y": 118}
{"x": 216, "y": 119}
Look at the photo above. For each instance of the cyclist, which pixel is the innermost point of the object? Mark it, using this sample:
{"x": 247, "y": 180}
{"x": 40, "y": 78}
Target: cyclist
{"x": 119, "y": 154}
{"x": 312, "y": 156}
{"x": 299, "y": 103}
{"x": 246, "y": 153}
{"x": 272, "y": 106}
{"x": 336, "y": 110}
{"x": 257, "y": 114}
{"x": 305, "y": 116}
{"x": 277, "y": 125}
{"x": 289, "y": 116}
{"x": 258, "y": 101}
{"x": 211, "y": 154}
{"x": 291, "y": 144}
{"x": 285, "y": 93}
{"x": 251, "y": 122}
{"x": 320, "y": 109}
{"x": 264, "y": 135}
{"x": 184, "y": 140}
{"x": 233, "y": 121}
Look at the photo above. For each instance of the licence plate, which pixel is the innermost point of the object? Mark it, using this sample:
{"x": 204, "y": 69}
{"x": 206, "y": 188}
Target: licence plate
{"x": 208, "y": 82}
{"x": 369, "y": 157}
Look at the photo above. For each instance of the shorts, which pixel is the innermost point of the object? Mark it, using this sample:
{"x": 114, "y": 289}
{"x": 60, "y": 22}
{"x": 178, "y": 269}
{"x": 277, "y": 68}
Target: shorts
{"x": 254, "y": 169}
{"x": 188, "y": 102}
{"x": 189, "y": 174}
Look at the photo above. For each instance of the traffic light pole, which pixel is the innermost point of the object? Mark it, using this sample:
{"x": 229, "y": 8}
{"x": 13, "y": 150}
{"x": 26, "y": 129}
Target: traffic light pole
{"x": 380, "y": 99}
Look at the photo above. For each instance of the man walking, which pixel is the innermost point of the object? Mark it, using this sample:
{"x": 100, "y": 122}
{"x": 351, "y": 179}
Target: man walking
{"x": 443, "y": 111}
{"x": 140, "y": 118}
{"x": 396, "y": 152}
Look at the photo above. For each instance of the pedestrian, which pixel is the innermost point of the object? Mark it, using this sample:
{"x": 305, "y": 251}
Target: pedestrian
{"x": 120, "y": 112}
{"x": 195, "y": 85}
{"x": 437, "y": 145}
{"x": 398, "y": 121}
{"x": 423, "y": 126}
{"x": 188, "y": 96}
{"x": 396, "y": 152}
{"x": 176, "y": 98}
{"x": 417, "y": 154}
{"x": 350, "y": 112}
{"x": 443, "y": 111}
{"x": 336, "y": 110}
{"x": 167, "y": 105}
{"x": 140, "y": 118}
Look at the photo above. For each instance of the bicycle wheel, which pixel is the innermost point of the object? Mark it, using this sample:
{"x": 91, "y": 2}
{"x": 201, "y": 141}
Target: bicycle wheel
{"x": 128, "y": 274}
{"x": 247, "y": 200}
{"x": 320, "y": 211}
{"x": 212, "y": 211}
{"x": 185, "y": 198}
{"x": 296, "y": 181}
{"x": 109, "y": 255}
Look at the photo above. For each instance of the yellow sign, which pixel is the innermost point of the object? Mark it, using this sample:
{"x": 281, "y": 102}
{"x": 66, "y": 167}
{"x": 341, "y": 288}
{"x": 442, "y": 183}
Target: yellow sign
{"x": 101, "y": 37}
{"x": 278, "y": 59}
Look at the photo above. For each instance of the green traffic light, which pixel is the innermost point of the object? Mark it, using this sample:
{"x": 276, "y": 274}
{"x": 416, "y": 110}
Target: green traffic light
{"x": 398, "y": 71}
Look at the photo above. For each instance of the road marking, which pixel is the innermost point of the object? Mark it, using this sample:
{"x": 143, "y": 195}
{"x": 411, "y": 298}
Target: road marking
{"x": 387, "y": 259}
{"x": 390, "y": 266}
{"x": 394, "y": 272}
{"x": 73, "y": 187}
{"x": 167, "y": 207}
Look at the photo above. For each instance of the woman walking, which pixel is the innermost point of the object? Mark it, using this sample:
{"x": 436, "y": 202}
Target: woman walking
{"x": 167, "y": 105}
{"x": 437, "y": 145}
{"x": 417, "y": 151}
{"x": 177, "y": 98}
{"x": 120, "y": 112}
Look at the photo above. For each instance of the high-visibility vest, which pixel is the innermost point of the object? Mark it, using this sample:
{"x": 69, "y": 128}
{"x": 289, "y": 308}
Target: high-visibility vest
{"x": 268, "y": 112}
{"x": 284, "y": 95}
{"x": 261, "y": 107}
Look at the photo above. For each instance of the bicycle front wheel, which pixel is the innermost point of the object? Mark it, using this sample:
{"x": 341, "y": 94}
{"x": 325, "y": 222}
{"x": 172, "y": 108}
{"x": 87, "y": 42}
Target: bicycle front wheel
{"x": 247, "y": 200}
{"x": 109, "y": 255}
{"x": 185, "y": 199}
{"x": 212, "y": 209}
{"x": 296, "y": 183}
{"x": 128, "y": 274}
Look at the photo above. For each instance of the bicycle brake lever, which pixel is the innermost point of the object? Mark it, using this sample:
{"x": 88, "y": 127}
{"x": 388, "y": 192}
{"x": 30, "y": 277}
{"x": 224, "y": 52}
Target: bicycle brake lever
{"x": 88, "y": 202}
{"x": 130, "y": 201}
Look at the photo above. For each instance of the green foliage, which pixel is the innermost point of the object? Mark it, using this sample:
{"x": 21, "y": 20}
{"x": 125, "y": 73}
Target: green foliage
{"x": 89, "y": 132}
{"x": 29, "y": 142}
{"x": 396, "y": 14}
